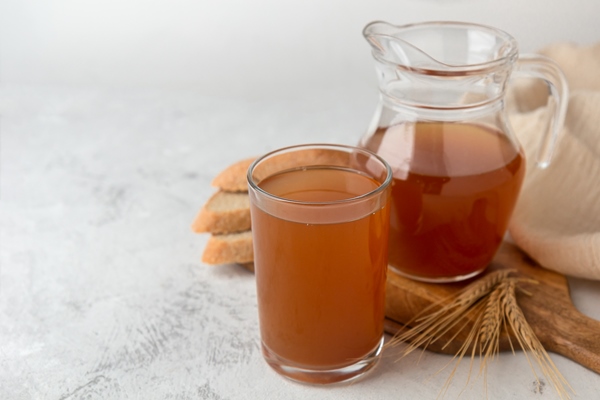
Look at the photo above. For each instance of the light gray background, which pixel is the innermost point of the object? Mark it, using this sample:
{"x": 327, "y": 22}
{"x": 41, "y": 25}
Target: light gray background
{"x": 233, "y": 47}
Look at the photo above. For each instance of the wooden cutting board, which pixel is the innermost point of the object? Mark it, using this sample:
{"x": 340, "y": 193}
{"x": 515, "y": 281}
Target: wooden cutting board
{"x": 559, "y": 326}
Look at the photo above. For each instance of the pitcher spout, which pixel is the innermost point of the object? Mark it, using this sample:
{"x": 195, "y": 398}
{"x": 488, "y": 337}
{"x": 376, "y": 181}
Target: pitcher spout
{"x": 391, "y": 47}
{"x": 441, "y": 64}
{"x": 441, "y": 46}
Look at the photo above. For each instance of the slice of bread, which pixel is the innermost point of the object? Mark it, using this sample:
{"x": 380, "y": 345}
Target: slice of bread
{"x": 229, "y": 248}
{"x": 224, "y": 212}
{"x": 233, "y": 178}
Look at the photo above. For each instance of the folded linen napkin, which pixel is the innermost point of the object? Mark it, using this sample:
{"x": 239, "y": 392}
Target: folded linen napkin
{"x": 557, "y": 217}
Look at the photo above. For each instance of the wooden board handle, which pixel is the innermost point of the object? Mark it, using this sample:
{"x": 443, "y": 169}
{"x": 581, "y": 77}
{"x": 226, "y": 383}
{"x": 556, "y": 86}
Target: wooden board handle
{"x": 562, "y": 329}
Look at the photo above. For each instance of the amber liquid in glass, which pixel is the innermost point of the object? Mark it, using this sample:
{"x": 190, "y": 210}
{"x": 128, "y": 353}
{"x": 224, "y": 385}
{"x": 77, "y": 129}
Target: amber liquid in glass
{"x": 321, "y": 284}
{"x": 454, "y": 189}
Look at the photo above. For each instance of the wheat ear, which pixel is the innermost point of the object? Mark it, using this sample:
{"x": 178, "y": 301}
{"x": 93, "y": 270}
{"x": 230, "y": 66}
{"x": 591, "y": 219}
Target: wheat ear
{"x": 492, "y": 301}
{"x": 530, "y": 343}
{"x": 430, "y": 327}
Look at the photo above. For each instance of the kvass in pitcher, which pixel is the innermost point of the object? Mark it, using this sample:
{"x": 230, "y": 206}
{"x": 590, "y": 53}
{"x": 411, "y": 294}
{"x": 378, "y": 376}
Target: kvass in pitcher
{"x": 442, "y": 127}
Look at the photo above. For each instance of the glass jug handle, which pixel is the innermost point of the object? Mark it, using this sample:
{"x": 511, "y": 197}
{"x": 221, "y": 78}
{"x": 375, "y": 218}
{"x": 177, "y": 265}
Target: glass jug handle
{"x": 536, "y": 66}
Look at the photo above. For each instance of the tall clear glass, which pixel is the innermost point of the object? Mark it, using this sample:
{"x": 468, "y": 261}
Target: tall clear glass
{"x": 320, "y": 218}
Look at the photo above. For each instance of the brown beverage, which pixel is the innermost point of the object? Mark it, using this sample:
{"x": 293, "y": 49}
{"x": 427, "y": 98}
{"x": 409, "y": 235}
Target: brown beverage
{"x": 320, "y": 271}
{"x": 454, "y": 189}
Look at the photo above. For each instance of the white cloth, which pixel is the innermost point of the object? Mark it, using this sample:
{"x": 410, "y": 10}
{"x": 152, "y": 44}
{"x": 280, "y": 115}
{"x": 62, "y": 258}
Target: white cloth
{"x": 557, "y": 218}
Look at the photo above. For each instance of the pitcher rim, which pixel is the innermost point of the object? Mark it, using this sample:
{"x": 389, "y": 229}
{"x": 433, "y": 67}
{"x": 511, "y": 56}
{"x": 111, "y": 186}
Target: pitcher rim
{"x": 449, "y": 69}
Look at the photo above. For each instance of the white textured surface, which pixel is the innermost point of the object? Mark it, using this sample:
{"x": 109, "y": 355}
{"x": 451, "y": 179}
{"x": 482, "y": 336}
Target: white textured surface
{"x": 102, "y": 294}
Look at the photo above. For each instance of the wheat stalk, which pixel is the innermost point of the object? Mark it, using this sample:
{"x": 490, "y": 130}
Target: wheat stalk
{"x": 530, "y": 343}
{"x": 489, "y": 330}
{"x": 492, "y": 304}
{"x": 430, "y": 327}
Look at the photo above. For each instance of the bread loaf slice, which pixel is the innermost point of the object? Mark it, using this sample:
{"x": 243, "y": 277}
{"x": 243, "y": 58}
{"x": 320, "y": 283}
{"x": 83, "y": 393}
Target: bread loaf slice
{"x": 233, "y": 178}
{"x": 224, "y": 212}
{"x": 229, "y": 248}
{"x": 226, "y": 215}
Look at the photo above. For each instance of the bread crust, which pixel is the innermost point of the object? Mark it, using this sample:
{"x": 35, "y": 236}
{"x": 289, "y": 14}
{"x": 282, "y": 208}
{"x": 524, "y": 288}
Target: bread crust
{"x": 233, "y": 178}
{"x": 224, "y": 212}
{"x": 229, "y": 249}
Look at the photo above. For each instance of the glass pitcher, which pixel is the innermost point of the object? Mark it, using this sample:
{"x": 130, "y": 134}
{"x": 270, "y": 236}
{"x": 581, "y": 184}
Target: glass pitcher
{"x": 441, "y": 125}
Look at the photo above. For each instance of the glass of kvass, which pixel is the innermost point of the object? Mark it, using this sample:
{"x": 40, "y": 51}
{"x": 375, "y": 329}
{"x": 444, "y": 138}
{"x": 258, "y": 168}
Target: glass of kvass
{"x": 320, "y": 220}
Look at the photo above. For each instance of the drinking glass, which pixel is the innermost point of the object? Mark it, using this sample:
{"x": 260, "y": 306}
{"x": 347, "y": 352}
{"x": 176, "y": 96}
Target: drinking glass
{"x": 320, "y": 221}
